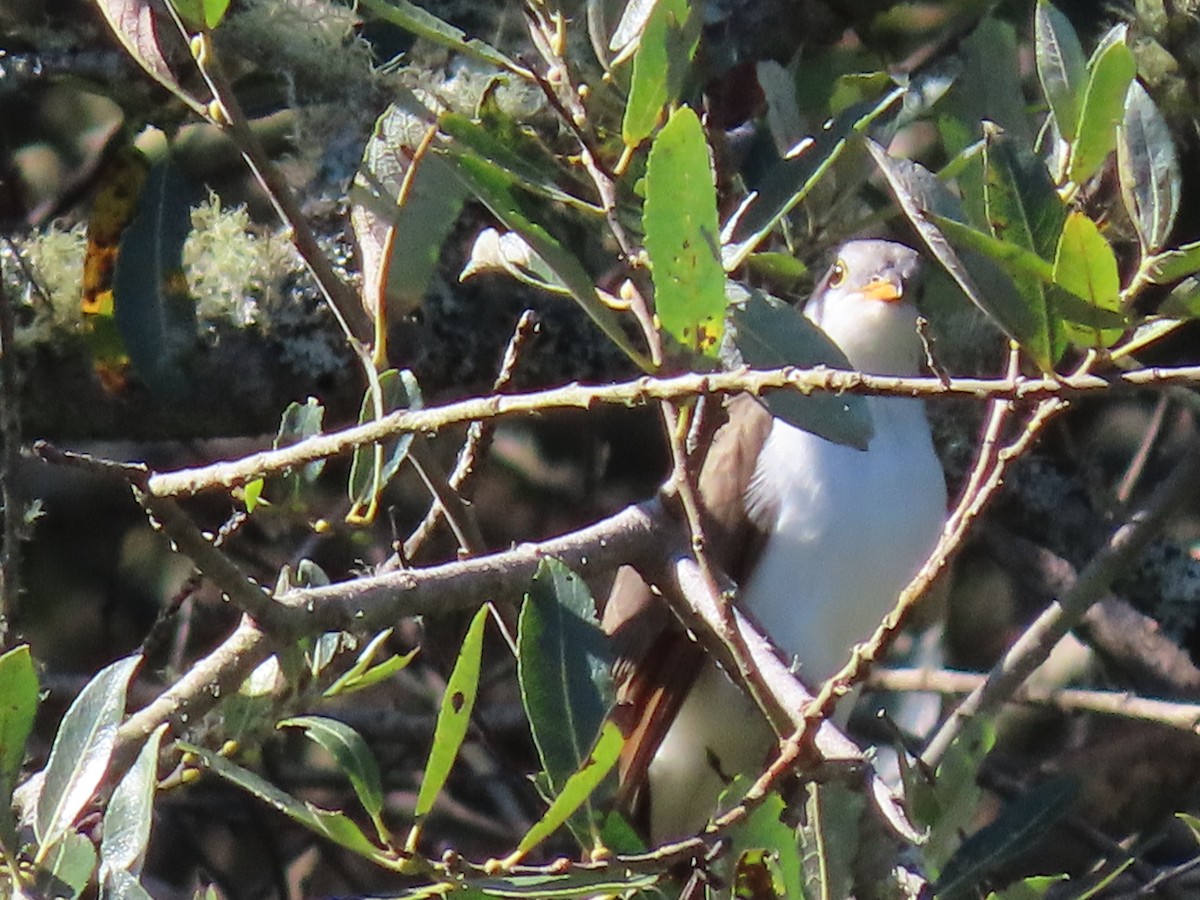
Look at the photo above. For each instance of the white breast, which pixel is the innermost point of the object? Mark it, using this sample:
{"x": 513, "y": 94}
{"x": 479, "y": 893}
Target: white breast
{"x": 850, "y": 528}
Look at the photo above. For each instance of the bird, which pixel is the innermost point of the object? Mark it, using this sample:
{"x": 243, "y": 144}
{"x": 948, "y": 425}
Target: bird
{"x": 819, "y": 537}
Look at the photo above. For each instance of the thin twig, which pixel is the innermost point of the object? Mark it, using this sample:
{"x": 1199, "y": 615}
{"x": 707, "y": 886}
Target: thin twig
{"x": 1138, "y": 464}
{"x": 1035, "y": 644}
{"x": 1184, "y": 716}
{"x": 479, "y": 439}
{"x": 224, "y": 475}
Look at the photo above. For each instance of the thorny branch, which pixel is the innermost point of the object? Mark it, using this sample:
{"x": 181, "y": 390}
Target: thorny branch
{"x": 225, "y": 475}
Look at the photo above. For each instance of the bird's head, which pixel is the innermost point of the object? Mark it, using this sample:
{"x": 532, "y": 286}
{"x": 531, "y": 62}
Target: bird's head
{"x": 865, "y": 304}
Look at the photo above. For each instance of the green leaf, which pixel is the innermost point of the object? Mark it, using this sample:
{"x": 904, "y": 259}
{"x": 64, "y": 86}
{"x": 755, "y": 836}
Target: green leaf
{"x": 1086, "y": 266}
{"x": 80, "y": 754}
{"x": 404, "y": 201}
{"x": 201, "y": 14}
{"x": 1184, "y": 300}
{"x": 66, "y": 868}
{"x": 1172, "y": 265}
{"x": 18, "y": 706}
{"x": 130, "y": 812}
{"x": 1012, "y": 832}
{"x": 454, "y": 716}
{"x": 298, "y": 423}
{"x": 425, "y": 25}
{"x": 680, "y": 221}
{"x": 1022, "y": 204}
{"x": 791, "y": 180}
{"x": 498, "y": 191}
{"x": 1148, "y": 168}
{"x": 1110, "y": 73}
{"x": 334, "y": 826}
{"x": 578, "y": 884}
{"x": 1014, "y": 259}
{"x": 154, "y": 311}
{"x": 123, "y": 886}
{"x": 989, "y": 88}
{"x": 947, "y": 804}
{"x": 351, "y": 754}
{"x": 660, "y": 66}
{"x": 564, "y": 669}
{"x": 365, "y": 672}
{"x": 765, "y": 848}
{"x": 919, "y": 192}
{"x": 375, "y": 465}
{"x": 1061, "y": 66}
{"x": 1032, "y": 888}
{"x": 576, "y": 790}
{"x": 768, "y": 334}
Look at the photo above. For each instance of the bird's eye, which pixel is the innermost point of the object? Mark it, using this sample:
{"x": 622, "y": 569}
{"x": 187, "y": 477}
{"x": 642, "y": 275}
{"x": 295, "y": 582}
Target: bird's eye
{"x": 837, "y": 274}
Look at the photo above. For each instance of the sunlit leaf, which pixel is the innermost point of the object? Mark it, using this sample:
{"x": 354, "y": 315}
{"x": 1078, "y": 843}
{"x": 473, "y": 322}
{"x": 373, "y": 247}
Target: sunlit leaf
{"x": 660, "y": 65}
{"x": 680, "y": 221}
{"x": 375, "y": 465}
{"x": 351, "y": 754}
{"x": 1148, "y": 168}
{"x": 599, "y": 762}
{"x": 366, "y": 672}
{"x": 919, "y": 192}
{"x": 65, "y": 867}
{"x": 81, "y": 751}
{"x": 1109, "y": 75}
{"x": 500, "y": 193}
{"x": 334, "y": 826}
{"x": 830, "y": 835}
{"x": 424, "y": 24}
{"x": 1087, "y": 267}
{"x": 454, "y": 716}
{"x": 18, "y": 706}
{"x": 299, "y": 422}
{"x": 1061, "y": 66}
{"x": 130, "y": 812}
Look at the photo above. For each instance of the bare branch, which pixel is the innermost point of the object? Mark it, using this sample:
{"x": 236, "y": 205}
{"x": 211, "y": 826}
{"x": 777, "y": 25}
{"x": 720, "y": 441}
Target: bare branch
{"x": 225, "y": 475}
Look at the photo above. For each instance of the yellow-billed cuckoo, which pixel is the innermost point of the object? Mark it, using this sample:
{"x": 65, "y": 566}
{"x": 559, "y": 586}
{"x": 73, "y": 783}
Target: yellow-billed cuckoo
{"x": 820, "y": 537}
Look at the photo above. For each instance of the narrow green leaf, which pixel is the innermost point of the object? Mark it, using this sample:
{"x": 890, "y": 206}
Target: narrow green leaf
{"x": 919, "y": 192}
{"x": 1061, "y": 66}
{"x": 769, "y": 334}
{"x": 351, "y": 754}
{"x": 423, "y": 24}
{"x": 990, "y": 86}
{"x": 660, "y": 66}
{"x": 947, "y": 805}
{"x": 1086, "y": 266}
{"x": 154, "y": 311}
{"x": 578, "y": 884}
{"x": 81, "y": 751}
{"x": 680, "y": 221}
{"x": 334, "y": 826}
{"x": 120, "y": 885}
{"x": 365, "y": 672}
{"x": 201, "y": 14}
{"x": 454, "y": 716}
{"x": 1148, "y": 168}
{"x": 130, "y": 812}
{"x": 1184, "y": 300}
{"x": 18, "y": 706}
{"x": 498, "y": 191}
{"x": 1109, "y": 76}
{"x": 374, "y": 466}
{"x": 1032, "y": 888}
{"x": 564, "y": 669}
{"x": 1014, "y": 259}
{"x": 577, "y": 788}
{"x": 1172, "y": 265}
{"x": 792, "y": 179}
